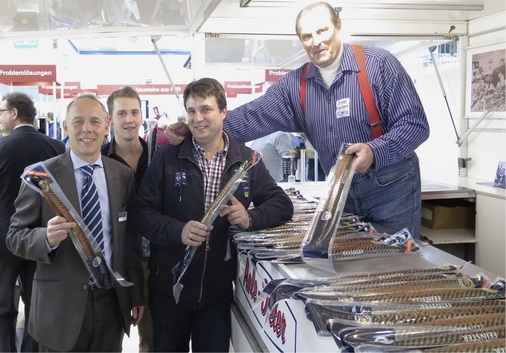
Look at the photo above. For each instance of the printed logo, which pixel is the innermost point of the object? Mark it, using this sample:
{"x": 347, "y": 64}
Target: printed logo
{"x": 180, "y": 179}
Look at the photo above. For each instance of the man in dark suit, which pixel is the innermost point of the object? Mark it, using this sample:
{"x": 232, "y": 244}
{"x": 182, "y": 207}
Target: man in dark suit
{"x": 23, "y": 145}
{"x": 69, "y": 313}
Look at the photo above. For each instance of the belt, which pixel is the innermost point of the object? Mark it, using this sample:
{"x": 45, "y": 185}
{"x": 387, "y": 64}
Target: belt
{"x": 91, "y": 287}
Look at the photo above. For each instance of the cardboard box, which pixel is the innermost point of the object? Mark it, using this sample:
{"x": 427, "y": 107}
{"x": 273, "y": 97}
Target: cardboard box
{"x": 447, "y": 214}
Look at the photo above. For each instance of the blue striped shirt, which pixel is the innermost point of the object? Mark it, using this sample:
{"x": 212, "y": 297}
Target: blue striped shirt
{"x": 338, "y": 114}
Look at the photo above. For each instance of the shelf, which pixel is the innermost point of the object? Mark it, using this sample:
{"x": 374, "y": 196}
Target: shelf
{"x": 450, "y": 236}
{"x": 438, "y": 191}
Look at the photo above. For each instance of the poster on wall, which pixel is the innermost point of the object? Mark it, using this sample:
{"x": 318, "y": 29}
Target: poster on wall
{"x": 486, "y": 90}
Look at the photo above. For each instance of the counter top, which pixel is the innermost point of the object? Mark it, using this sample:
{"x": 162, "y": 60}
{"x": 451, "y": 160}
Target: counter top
{"x": 483, "y": 187}
{"x": 434, "y": 190}
{"x": 430, "y": 189}
{"x": 467, "y": 188}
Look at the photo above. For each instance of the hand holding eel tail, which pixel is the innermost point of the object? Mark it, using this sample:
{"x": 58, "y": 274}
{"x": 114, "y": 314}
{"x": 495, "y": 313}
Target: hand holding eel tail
{"x": 39, "y": 179}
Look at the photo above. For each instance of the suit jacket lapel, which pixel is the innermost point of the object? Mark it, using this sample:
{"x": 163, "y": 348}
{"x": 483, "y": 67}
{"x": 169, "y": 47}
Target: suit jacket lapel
{"x": 114, "y": 192}
{"x": 64, "y": 175}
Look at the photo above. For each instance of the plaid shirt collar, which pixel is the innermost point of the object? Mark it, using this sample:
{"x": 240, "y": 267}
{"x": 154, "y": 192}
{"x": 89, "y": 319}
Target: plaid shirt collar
{"x": 212, "y": 170}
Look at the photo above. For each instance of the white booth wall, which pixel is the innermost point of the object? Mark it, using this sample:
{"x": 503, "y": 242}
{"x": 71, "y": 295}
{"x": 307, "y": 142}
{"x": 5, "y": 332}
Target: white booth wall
{"x": 487, "y": 146}
{"x": 93, "y": 70}
{"x": 438, "y": 156}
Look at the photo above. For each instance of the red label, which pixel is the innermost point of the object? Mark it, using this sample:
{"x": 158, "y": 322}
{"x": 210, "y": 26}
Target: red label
{"x": 250, "y": 282}
{"x": 277, "y": 322}
{"x": 233, "y": 88}
{"x": 272, "y": 75}
{"x": 105, "y": 90}
{"x": 27, "y": 73}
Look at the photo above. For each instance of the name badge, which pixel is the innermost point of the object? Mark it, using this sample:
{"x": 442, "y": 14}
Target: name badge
{"x": 122, "y": 217}
{"x": 343, "y": 108}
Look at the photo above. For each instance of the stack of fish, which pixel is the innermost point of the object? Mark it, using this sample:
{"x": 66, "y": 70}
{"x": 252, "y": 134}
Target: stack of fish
{"x": 419, "y": 310}
{"x": 353, "y": 238}
{"x": 402, "y": 311}
{"x": 320, "y": 233}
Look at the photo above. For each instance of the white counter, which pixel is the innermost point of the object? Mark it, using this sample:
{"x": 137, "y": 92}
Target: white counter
{"x": 490, "y": 231}
{"x": 489, "y": 235}
{"x": 286, "y": 328}
{"x": 483, "y": 187}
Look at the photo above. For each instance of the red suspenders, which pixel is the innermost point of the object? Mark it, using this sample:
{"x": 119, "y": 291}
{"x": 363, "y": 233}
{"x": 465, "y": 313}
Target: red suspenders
{"x": 303, "y": 88}
{"x": 365, "y": 90}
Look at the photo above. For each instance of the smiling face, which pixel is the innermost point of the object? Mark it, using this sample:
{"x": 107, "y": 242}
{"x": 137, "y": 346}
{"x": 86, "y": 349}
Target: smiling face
{"x": 205, "y": 120}
{"x": 126, "y": 118}
{"x": 86, "y": 126}
{"x": 319, "y": 36}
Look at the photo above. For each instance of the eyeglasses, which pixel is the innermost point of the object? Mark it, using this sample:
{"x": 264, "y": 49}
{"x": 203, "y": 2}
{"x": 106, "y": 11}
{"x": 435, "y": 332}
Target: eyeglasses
{"x": 4, "y": 110}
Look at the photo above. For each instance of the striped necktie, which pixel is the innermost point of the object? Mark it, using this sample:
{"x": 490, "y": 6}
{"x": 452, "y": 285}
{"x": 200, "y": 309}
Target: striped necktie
{"x": 92, "y": 216}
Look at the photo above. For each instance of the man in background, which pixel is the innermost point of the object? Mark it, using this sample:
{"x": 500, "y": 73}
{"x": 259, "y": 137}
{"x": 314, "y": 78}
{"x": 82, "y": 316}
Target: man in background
{"x": 22, "y": 145}
{"x": 53, "y": 128}
{"x": 273, "y": 148}
{"x": 127, "y": 147}
{"x": 161, "y": 137}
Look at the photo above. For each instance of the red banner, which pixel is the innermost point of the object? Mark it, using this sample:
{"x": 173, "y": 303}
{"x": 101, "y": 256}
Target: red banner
{"x": 70, "y": 90}
{"x": 272, "y": 75}
{"x": 233, "y": 88}
{"x": 89, "y": 91}
{"x": 105, "y": 90}
{"x": 48, "y": 90}
{"x": 27, "y": 73}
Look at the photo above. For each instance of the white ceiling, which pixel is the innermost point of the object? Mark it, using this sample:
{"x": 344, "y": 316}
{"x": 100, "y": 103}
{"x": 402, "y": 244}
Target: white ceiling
{"x": 247, "y": 24}
{"x": 70, "y": 18}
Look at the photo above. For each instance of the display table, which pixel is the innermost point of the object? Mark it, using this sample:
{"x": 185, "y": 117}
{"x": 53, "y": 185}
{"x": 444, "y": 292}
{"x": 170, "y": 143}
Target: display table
{"x": 286, "y": 328}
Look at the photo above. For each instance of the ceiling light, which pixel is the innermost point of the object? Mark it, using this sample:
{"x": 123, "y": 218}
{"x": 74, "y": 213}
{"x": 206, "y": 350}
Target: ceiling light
{"x": 386, "y": 5}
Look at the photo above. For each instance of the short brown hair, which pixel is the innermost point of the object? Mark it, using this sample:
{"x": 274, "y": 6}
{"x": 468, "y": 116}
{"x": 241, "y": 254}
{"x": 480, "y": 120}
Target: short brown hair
{"x": 124, "y": 92}
{"x": 204, "y": 88}
{"x": 23, "y": 104}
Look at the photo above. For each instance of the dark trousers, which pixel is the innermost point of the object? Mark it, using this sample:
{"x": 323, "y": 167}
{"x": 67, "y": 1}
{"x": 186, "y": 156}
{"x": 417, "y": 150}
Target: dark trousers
{"x": 208, "y": 326}
{"x": 145, "y": 327}
{"x": 10, "y": 271}
{"x": 102, "y": 330}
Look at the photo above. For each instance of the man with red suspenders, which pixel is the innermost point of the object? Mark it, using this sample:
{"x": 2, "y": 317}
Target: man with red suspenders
{"x": 347, "y": 94}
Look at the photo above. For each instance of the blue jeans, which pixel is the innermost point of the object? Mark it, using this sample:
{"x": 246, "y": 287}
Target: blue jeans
{"x": 207, "y": 325}
{"x": 390, "y": 198}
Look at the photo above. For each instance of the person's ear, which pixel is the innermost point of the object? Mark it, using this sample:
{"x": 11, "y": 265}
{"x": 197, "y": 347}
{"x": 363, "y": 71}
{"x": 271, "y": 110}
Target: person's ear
{"x": 14, "y": 113}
